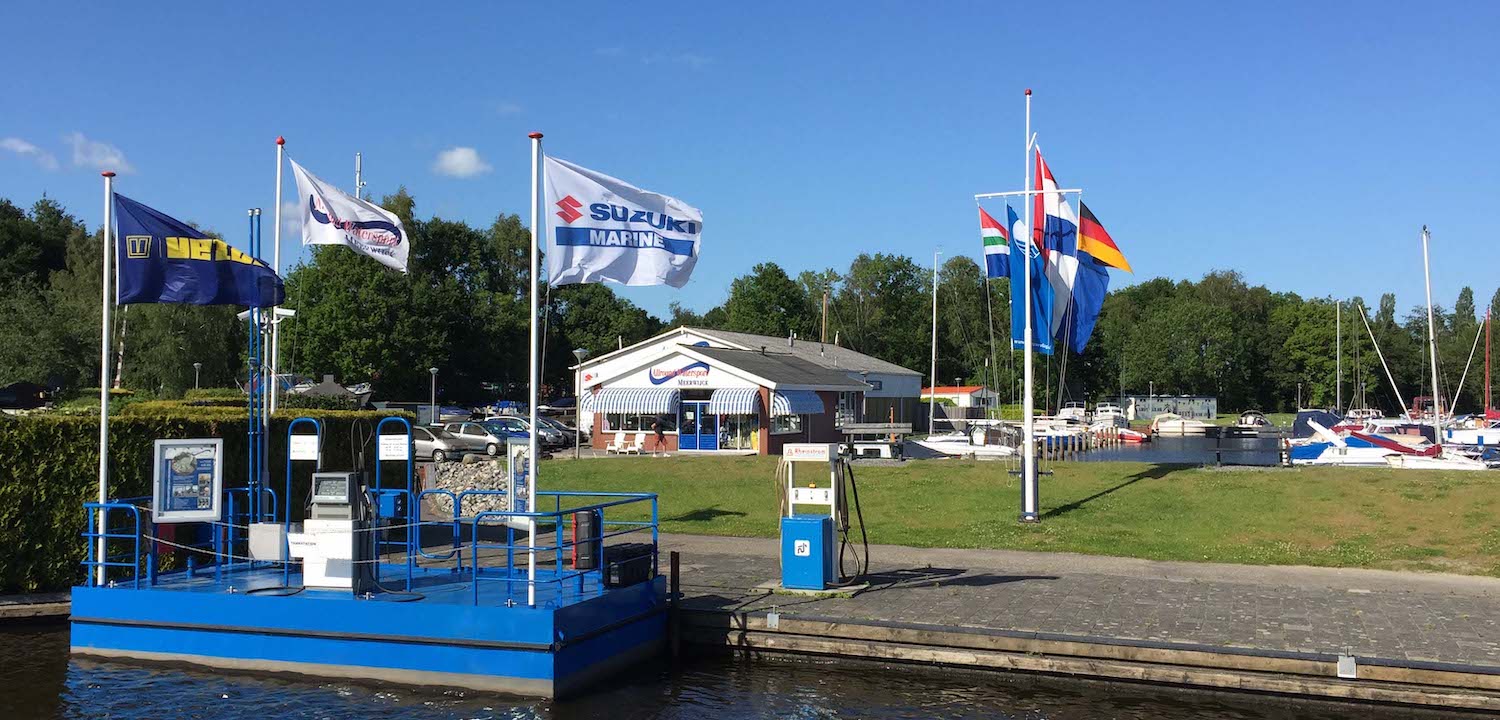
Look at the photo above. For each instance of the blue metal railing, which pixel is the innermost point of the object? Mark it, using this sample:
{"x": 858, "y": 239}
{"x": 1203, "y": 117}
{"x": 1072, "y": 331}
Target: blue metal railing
{"x": 560, "y": 519}
{"x": 408, "y": 544}
{"x": 93, "y": 563}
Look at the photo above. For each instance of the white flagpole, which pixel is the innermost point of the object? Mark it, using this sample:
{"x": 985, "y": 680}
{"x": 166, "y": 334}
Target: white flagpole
{"x": 932, "y": 398}
{"x": 1437, "y": 400}
{"x": 1028, "y": 436}
{"x": 106, "y": 302}
{"x": 532, "y": 379}
{"x": 276, "y": 260}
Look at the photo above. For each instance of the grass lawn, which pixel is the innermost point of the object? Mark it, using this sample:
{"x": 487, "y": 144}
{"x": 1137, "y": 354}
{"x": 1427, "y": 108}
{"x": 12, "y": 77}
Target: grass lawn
{"x": 1337, "y": 517}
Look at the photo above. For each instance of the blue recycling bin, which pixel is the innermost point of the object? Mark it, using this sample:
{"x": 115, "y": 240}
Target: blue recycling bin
{"x": 807, "y": 552}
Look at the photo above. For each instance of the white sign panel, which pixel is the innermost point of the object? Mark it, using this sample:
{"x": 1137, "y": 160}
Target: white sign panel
{"x": 809, "y": 451}
{"x": 302, "y": 447}
{"x": 187, "y": 480}
{"x": 393, "y": 447}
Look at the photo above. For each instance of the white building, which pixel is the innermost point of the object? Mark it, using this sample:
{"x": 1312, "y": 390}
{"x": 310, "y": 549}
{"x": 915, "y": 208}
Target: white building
{"x": 963, "y": 396}
{"x": 713, "y": 390}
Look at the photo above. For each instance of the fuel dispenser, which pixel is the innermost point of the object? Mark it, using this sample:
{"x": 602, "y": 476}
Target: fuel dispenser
{"x": 334, "y": 550}
{"x": 815, "y": 545}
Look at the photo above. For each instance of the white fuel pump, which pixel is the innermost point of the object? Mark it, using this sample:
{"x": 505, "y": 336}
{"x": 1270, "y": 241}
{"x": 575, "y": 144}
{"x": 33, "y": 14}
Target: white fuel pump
{"x": 814, "y": 545}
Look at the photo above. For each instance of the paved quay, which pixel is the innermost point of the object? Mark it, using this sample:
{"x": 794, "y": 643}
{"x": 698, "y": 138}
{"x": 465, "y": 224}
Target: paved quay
{"x": 1404, "y": 629}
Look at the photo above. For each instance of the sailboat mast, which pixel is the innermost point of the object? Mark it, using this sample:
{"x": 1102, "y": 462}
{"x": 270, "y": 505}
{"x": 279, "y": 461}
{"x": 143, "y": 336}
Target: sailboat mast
{"x": 1486, "y": 365}
{"x": 1338, "y": 354}
{"x": 1437, "y": 400}
{"x": 932, "y": 399}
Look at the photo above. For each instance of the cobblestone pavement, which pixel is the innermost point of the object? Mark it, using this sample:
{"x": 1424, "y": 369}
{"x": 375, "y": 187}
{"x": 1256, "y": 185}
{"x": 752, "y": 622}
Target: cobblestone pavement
{"x": 1370, "y": 613}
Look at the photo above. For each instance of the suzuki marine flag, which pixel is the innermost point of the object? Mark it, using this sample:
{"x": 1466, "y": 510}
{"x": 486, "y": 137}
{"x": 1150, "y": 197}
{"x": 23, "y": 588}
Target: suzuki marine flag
{"x": 332, "y": 217}
{"x": 163, "y": 260}
{"x": 602, "y": 229}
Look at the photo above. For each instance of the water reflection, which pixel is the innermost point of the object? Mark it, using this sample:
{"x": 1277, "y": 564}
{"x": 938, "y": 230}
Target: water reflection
{"x": 37, "y": 680}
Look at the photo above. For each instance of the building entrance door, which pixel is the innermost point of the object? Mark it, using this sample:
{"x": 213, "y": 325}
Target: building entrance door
{"x": 697, "y": 429}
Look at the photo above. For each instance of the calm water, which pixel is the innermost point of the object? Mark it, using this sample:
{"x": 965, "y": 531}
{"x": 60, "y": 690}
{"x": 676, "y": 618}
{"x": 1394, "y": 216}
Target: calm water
{"x": 39, "y": 680}
{"x": 1193, "y": 450}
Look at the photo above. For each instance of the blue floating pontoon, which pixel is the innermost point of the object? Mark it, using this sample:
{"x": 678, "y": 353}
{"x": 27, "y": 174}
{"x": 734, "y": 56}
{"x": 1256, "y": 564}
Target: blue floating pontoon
{"x": 451, "y": 602}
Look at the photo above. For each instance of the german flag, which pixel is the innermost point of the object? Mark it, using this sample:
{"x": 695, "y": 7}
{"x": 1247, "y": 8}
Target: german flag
{"x": 1095, "y": 240}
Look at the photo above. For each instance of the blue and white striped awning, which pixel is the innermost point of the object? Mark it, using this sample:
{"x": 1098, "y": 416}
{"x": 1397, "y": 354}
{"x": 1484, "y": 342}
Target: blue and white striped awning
{"x": 796, "y": 402}
{"x": 650, "y": 401}
{"x": 735, "y": 401}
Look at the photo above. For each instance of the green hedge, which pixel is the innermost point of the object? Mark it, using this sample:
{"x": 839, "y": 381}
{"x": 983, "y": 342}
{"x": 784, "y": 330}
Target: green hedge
{"x": 49, "y": 467}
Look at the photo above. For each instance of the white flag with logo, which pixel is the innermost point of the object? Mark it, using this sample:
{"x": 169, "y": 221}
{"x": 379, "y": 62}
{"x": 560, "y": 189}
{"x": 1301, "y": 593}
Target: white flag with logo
{"x": 601, "y": 229}
{"x": 332, "y": 217}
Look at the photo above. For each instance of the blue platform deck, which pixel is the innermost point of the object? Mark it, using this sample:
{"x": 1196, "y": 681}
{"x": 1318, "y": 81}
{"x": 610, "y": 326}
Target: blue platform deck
{"x": 443, "y": 638}
{"x": 434, "y": 620}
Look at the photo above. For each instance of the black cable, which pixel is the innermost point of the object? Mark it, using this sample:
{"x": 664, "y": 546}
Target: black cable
{"x": 269, "y": 590}
{"x": 374, "y": 565}
{"x": 862, "y": 564}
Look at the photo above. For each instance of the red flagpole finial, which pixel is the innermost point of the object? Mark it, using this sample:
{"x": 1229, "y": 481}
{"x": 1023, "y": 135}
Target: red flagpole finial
{"x": 1028, "y": 91}
{"x": 535, "y": 136}
{"x": 108, "y": 173}
{"x": 280, "y": 140}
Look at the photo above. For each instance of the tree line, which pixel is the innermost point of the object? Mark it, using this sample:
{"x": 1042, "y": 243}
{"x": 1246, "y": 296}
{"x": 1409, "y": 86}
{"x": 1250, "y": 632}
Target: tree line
{"x": 463, "y": 309}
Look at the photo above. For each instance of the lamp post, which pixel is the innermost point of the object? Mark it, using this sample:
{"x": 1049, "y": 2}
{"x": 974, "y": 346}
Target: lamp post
{"x": 581, "y": 354}
{"x": 432, "y": 401}
{"x": 1299, "y": 397}
{"x": 197, "y": 366}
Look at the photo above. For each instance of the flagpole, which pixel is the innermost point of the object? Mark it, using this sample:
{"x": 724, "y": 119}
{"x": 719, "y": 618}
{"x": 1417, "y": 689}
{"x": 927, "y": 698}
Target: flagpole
{"x": 1028, "y": 437}
{"x": 932, "y": 398}
{"x": 276, "y": 260}
{"x": 105, "y": 302}
{"x": 531, "y": 381}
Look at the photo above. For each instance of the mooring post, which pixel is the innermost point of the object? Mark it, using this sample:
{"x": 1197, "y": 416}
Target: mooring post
{"x": 674, "y": 617}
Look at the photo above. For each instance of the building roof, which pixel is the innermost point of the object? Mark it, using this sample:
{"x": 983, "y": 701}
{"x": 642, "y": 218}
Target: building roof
{"x": 780, "y": 368}
{"x": 953, "y": 389}
{"x": 822, "y": 354}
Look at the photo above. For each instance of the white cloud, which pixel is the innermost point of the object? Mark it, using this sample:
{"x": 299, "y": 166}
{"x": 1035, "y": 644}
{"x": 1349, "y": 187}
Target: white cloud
{"x": 460, "y": 162}
{"x": 26, "y": 149}
{"x": 97, "y": 155}
{"x": 508, "y": 108}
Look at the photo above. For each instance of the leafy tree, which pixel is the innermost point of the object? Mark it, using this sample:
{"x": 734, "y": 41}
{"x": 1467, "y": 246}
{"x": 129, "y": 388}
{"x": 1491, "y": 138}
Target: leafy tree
{"x": 767, "y": 302}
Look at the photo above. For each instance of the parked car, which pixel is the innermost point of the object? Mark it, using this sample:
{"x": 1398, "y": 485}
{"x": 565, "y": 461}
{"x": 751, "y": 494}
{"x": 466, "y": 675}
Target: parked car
{"x": 549, "y": 437}
{"x": 478, "y": 437}
{"x": 568, "y": 432}
{"x": 434, "y": 443}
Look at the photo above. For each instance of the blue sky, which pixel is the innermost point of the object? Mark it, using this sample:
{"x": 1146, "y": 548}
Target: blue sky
{"x": 1303, "y": 144}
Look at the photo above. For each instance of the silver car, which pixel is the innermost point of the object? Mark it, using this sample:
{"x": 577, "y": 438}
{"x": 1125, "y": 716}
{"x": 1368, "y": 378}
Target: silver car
{"x": 475, "y": 437}
{"x": 435, "y": 444}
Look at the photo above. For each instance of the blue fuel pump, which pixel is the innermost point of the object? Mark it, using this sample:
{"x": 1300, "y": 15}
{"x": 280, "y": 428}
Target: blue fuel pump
{"x": 816, "y": 540}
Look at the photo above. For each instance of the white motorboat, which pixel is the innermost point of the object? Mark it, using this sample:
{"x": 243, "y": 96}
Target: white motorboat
{"x": 1253, "y": 419}
{"x": 961, "y": 444}
{"x": 1174, "y": 424}
{"x": 1074, "y": 411}
{"x": 1110, "y": 415}
{"x": 1448, "y": 461}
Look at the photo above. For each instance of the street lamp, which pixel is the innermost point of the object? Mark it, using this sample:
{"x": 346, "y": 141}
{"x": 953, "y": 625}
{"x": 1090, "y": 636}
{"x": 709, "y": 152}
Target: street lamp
{"x": 433, "y": 400}
{"x": 196, "y": 367}
{"x": 581, "y": 354}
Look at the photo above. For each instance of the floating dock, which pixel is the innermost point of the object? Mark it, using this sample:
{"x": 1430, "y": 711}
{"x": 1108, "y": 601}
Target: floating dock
{"x": 463, "y": 612}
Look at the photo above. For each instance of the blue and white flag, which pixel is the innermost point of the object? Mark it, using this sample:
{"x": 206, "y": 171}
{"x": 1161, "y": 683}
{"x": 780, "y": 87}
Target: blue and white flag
{"x": 164, "y": 260}
{"x": 1041, "y": 290}
{"x": 602, "y": 229}
{"x": 332, "y": 217}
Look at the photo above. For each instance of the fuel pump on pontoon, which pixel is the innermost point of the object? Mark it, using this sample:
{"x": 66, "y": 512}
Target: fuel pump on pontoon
{"x": 818, "y": 551}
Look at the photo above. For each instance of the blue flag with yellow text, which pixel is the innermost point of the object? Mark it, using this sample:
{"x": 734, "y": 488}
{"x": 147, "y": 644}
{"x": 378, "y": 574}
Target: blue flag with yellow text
{"x": 164, "y": 260}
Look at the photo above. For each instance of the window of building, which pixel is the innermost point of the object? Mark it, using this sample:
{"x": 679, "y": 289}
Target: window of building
{"x": 738, "y": 432}
{"x": 786, "y": 424}
{"x": 848, "y": 410}
{"x": 633, "y": 422}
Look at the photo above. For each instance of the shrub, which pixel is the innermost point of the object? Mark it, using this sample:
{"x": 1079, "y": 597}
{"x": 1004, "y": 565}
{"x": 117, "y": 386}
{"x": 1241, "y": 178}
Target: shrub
{"x": 49, "y": 467}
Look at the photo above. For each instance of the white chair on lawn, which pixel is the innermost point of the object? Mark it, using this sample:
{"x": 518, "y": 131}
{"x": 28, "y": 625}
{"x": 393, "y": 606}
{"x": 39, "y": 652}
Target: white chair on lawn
{"x": 616, "y": 445}
{"x": 639, "y": 445}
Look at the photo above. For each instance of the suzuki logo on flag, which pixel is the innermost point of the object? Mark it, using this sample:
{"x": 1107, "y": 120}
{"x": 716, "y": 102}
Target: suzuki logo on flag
{"x": 137, "y": 246}
{"x": 569, "y": 211}
{"x": 608, "y": 230}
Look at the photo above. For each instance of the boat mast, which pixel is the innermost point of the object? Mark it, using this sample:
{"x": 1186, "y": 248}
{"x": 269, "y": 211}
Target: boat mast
{"x": 1437, "y": 400}
{"x": 1486, "y": 365}
{"x": 1338, "y": 354}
